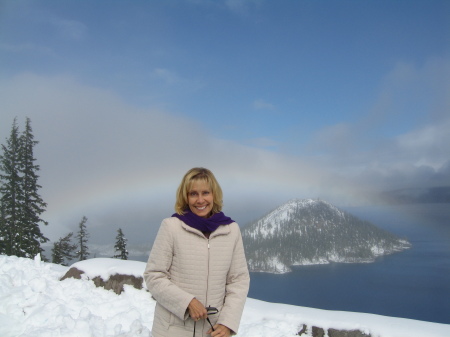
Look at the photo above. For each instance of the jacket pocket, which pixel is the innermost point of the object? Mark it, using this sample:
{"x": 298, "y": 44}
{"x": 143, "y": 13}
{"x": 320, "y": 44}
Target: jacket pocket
{"x": 162, "y": 316}
{"x": 175, "y": 321}
{"x": 166, "y": 317}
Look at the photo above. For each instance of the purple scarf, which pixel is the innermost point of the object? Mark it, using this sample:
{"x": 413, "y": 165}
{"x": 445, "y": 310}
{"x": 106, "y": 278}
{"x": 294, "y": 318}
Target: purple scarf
{"x": 208, "y": 225}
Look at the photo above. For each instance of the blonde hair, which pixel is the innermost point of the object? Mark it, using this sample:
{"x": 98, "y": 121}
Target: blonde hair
{"x": 195, "y": 174}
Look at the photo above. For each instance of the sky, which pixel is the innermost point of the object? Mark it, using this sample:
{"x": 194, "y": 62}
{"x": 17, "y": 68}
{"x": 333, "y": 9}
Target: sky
{"x": 346, "y": 101}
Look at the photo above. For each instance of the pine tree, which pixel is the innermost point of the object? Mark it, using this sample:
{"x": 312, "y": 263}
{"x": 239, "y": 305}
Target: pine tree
{"x": 21, "y": 205}
{"x": 32, "y": 204}
{"x": 57, "y": 256}
{"x": 11, "y": 194}
{"x": 63, "y": 250}
{"x": 121, "y": 246}
{"x": 82, "y": 239}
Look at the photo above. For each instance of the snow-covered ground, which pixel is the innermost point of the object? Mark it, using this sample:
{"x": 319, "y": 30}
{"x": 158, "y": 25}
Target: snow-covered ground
{"x": 34, "y": 303}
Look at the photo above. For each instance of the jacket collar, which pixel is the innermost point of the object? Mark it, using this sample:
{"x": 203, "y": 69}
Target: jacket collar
{"x": 221, "y": 230}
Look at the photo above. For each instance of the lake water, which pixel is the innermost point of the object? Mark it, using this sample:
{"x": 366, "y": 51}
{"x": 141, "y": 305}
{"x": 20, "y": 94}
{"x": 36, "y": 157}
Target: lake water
{"x": 413, "y": 284}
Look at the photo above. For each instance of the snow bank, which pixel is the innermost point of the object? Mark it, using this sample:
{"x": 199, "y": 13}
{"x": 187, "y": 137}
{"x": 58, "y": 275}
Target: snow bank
{"x": 34, "y": 303}
{"x": 279, "y": 320}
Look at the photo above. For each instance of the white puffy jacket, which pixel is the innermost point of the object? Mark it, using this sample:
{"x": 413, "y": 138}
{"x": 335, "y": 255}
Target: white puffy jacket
{"x": 184, "y": 264}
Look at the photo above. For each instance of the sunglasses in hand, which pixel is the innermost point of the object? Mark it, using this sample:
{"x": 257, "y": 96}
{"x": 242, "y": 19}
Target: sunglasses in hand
{"x": 210, "y": 311}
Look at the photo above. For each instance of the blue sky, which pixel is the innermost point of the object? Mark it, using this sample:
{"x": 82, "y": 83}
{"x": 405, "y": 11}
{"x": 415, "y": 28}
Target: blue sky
{"x": 339, "y": 100}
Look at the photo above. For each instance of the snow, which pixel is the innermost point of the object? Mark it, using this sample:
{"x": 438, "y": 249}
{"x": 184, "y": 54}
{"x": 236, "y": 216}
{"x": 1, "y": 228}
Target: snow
{"x": 33, "y": 303}
{"x": 271, "y": 222}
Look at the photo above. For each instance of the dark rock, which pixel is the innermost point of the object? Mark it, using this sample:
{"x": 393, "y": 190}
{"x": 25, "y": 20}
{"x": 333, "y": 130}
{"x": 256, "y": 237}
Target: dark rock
{"x": 317, "y": 332}
{"x": 346, "y": 333}
{"x": 115, "y": 282}
{"x": 303, "y": 330}
{"x": 72, "y": 272}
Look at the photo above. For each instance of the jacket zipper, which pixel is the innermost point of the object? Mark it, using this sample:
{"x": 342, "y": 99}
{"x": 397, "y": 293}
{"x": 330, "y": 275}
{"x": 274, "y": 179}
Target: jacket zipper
{"x": 207, "y": 279}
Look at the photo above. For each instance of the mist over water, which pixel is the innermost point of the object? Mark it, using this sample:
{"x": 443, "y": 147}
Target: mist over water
{"x": 413, "y": 284}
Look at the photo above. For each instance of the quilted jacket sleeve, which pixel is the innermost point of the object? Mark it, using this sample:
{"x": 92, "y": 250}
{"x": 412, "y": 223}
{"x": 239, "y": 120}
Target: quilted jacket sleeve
{"x": 157, "y": 275}
{"x": 238, "y": 283}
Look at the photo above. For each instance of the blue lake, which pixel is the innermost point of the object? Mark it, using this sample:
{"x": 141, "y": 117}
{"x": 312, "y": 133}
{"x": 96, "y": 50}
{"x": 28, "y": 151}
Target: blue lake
{"x": 413, "y": 284}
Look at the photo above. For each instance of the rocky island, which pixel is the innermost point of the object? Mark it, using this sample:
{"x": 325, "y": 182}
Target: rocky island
{"x": 307, "y": 231}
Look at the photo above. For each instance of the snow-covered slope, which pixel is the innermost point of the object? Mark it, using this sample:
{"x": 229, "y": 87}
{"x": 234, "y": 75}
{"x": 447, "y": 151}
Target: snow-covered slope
{"x": 307, "y": 231}
{"x": 34, "y": 303}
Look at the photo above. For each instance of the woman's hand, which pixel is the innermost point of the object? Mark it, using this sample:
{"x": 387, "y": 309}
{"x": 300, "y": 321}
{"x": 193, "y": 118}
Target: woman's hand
{"x": 220, "y": 331}
{"x": 197, "y": 310}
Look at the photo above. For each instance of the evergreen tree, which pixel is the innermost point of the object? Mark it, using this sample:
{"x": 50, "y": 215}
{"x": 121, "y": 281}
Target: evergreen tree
{"x": 82, "y": 239}
{"x": 63, "y": 250}
{"x": 11, "y": 194}
{"x": 121, "y": 246}
{"x": 21, "y": 205}
{"x": 32, "y": 204}
{"x": 57, "y": 256}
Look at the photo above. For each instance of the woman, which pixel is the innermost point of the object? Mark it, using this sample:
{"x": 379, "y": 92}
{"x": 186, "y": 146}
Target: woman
{"x": 198, "y": 262}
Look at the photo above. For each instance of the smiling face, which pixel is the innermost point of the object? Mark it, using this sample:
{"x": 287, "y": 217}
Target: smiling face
{"x": 200, "y": 198}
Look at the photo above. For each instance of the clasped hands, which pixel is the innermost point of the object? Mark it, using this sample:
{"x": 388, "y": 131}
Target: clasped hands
{"x": 198, "y": 311}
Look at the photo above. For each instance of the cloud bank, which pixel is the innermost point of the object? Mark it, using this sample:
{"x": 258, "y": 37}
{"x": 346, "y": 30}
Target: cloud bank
{"x": 120, "y": 165}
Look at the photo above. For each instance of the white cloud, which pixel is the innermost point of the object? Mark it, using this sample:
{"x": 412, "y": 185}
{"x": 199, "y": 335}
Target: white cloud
{"x": 417, "y": 155}
{"x": 334, "y": 139}
{"x": 427, "y": 146}
{"x": 119, "y": 164}
{"x": 411, "y": 91}
{"x": 107, "y": 160}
